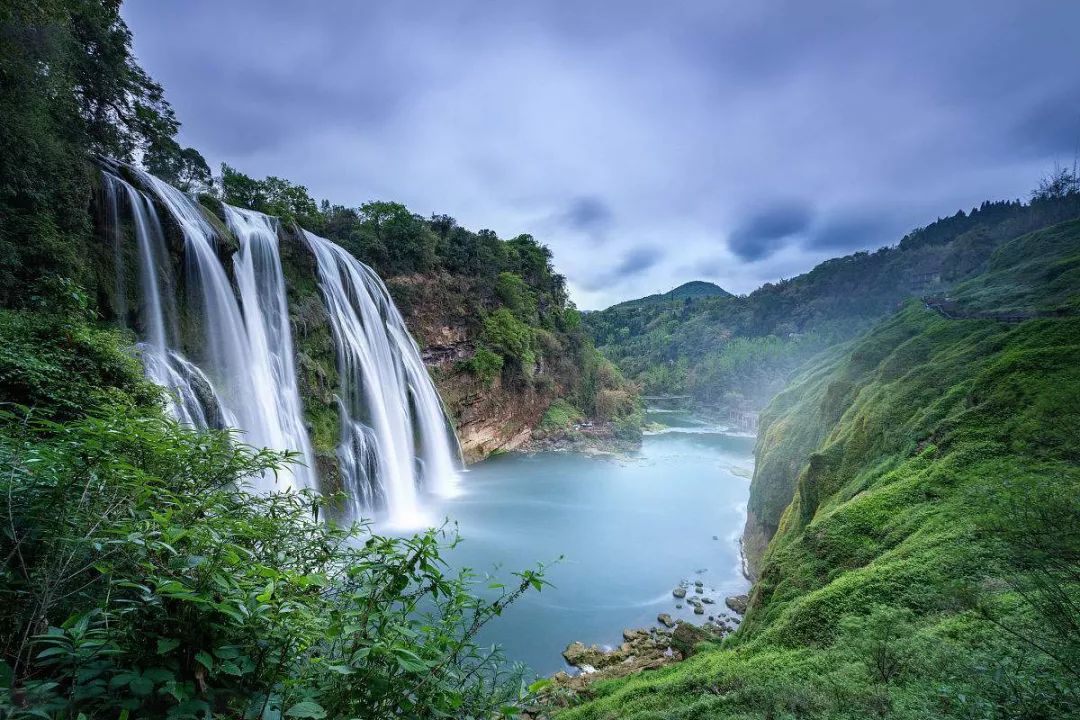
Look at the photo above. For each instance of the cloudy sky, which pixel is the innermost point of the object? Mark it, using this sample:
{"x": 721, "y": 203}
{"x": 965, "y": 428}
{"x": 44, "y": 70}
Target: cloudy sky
{"x": 647, "y": 143}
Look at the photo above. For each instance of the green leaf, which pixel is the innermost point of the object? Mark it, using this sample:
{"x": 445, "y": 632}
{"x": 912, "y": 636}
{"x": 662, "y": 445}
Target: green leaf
{"x": 205, "y": 659}
{"x": 165, "y": 645}
{"x": 408, "y": 660}
{"x": 141, "y": 685}
{"x": 306, "y": 709}
{"x": 539, "y": 685}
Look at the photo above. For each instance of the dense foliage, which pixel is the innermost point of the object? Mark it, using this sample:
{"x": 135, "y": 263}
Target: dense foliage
{"x": 140, "y": 576}
{"x": 739, "y": 352}
{"x": 927, "y": 558}
{"x": 70, "y": 89}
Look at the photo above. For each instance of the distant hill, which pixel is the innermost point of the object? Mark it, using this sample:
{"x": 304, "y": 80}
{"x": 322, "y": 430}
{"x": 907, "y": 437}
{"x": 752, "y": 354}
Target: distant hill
{"x": 692, "y": 289}
{"x": 738, "y": 351}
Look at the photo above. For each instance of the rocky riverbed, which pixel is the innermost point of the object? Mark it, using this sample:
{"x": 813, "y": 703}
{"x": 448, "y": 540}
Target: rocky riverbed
{"x": 643, "y": 649}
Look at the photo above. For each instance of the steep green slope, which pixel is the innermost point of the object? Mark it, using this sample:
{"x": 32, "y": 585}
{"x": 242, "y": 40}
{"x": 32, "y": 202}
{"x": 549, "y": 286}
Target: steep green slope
{"x": 739, "y": 352}
{"x": 928, "y": 564}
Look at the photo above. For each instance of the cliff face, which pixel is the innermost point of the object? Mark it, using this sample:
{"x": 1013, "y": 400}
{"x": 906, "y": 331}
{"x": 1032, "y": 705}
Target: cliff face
{"x": 488, "y": 416}
{"x": 440, "y": 309}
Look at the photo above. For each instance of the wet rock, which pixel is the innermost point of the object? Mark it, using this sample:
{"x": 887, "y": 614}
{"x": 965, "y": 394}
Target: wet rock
{"x": 715, "y": 537}
{"x": 665, "y": 620}
{"x": 688, "y": 635}
{"x": 699, "y": 590}
{"x": 577, "y": 653}
{"x": 738, "y": 603}
{"x": 634, "y": 634}
{"x": 707, "y": 600}
{"x": 643, "y": 650}
{"x": 699, "y": 610}
{"x": 679, "y": 592}
{"x": 678, "y": 606}
{"x": 698, "y": 583}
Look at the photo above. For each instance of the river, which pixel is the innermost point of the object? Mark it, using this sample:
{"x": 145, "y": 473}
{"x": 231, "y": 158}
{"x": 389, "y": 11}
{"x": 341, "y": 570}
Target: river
{"x": 628, "y": 529}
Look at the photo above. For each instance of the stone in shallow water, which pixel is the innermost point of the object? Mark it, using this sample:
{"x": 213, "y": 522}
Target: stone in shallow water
{"x": 679, "y": 592}
{"x": 738, "y": 603}
{"x": 699, "y": 610}
{"x": 665, "y": 620}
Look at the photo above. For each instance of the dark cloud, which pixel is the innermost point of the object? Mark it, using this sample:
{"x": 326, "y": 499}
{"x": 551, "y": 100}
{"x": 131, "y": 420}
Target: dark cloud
{"x": 601, "y": 126}
{"x": 1052, "y": 126}
{"x": 634, "y": 262}
{"x": 763, "y": 232}
{"x": 843, "y": 232}
{"x": 588, "y": 213}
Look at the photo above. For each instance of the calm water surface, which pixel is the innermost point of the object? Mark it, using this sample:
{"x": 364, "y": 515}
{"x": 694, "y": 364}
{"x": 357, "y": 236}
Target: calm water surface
{"x": 629, "y": 531}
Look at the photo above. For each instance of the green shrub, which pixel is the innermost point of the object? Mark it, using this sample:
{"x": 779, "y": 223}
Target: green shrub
{"x": 141, "y": 578}
{"x": 485, "y": 365}
{"x": 560, "y": 416}
{"x": 511, "y": 338}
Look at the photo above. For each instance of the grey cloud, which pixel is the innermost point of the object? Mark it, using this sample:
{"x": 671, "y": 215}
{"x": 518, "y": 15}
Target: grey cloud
{"x": 844, "y": 232}
{"x": 588, "y": 213}
{"x": 602, "y": 126}
{"x": 1052, "y": 126}
{"x": 763, "y": 232}
{"x": 634, "y": 262}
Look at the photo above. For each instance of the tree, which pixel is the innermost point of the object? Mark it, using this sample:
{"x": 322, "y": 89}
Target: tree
{"x": 70, "y": 89}
{"x": 183, "y": 167}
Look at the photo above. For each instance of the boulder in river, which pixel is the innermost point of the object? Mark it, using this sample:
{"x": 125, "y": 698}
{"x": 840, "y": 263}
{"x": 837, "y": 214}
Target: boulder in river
{"x": 738, "y": 603}
{"x": 578, "y": 653}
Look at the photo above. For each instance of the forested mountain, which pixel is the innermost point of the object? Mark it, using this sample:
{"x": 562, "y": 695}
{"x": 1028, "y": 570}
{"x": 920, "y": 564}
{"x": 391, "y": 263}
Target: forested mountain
{"x": 738, "y": 352}
{"x": 686, "y": 291}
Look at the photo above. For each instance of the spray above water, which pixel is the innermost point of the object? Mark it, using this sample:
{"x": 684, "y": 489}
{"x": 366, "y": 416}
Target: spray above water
{"x": 396, "y": 442}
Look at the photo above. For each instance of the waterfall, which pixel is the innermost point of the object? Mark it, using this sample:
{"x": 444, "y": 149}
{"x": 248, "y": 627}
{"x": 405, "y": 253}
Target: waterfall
{"x": 192, "y": 397}
{"x": 396, "y": 441}
{"x": 394, "y": 434}
{"x": 244, "y": 379}
{"x": 266, "y": 316}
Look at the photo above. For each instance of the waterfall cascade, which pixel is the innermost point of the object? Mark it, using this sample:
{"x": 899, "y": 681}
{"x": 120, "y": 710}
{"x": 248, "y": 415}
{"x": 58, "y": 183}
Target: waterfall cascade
{"x": 395, "y": 438}
{"x": 386, "y": 397}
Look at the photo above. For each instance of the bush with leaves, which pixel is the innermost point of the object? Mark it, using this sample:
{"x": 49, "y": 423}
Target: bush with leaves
{"x": 142, "y": 578}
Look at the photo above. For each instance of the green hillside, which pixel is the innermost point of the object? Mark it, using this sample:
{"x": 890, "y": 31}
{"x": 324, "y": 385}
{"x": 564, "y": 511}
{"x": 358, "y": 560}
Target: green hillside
{"x": 688, "y": 290}
{"x": 739, "y": 352}
{"x": 928, "y": 562}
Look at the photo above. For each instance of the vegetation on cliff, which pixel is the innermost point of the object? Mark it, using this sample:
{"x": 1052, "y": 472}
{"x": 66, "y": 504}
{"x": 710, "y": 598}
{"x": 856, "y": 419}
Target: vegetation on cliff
{"x": 496, "y": 308}
{"x": 924, "y": 483}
